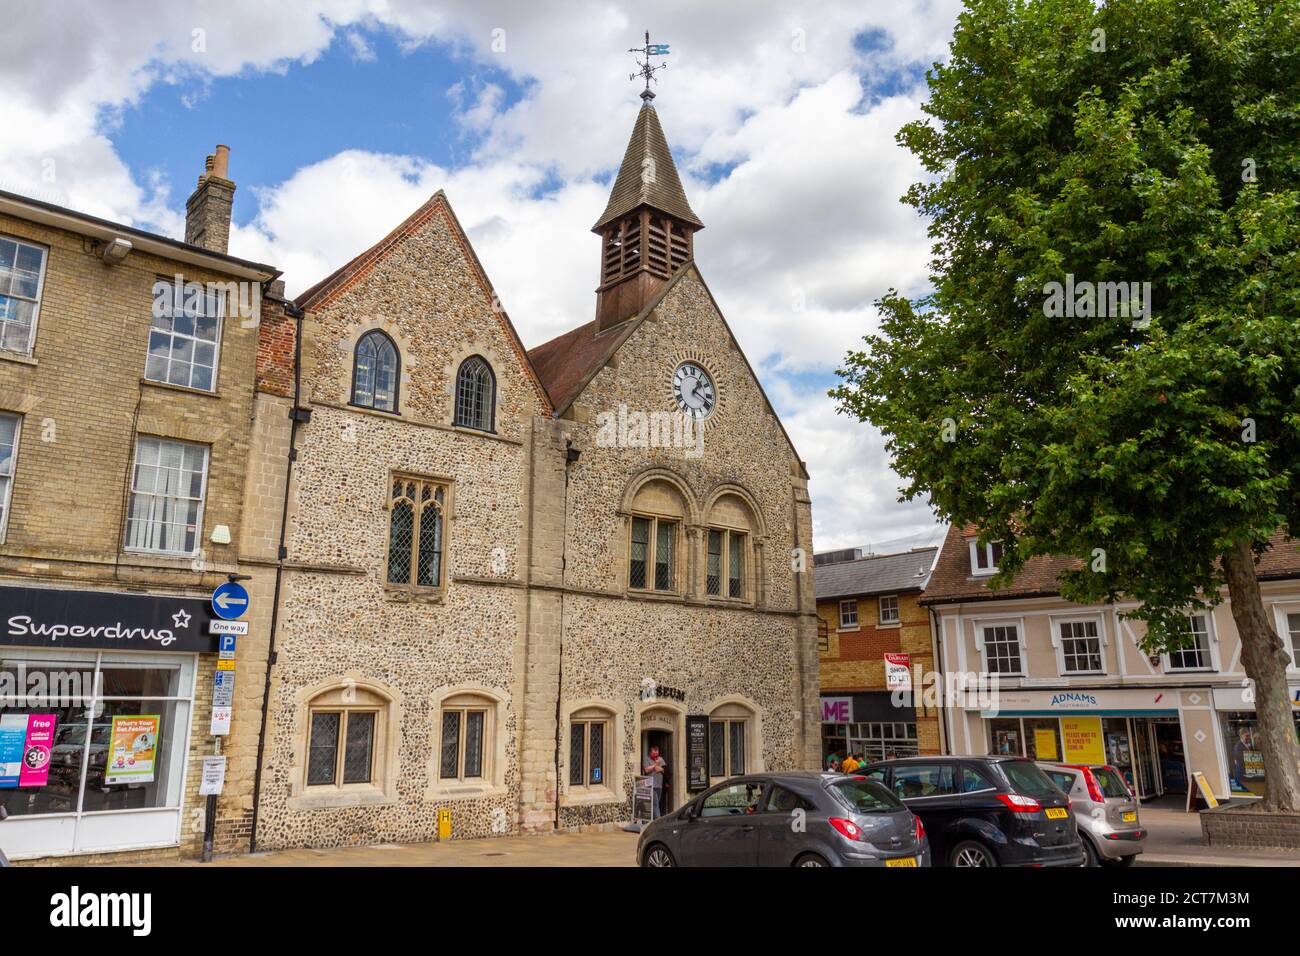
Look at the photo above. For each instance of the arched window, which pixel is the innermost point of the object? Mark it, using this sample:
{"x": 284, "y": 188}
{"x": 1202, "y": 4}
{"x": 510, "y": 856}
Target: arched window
{"x": 658, "y": 514}
{"x": 728, "y": 541}
{"x": 374, "y": 372}
{"x": 475, "y": 394}
{"x": 730, "y": 727}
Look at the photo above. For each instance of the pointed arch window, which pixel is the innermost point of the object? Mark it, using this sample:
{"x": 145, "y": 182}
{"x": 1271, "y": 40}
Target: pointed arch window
{"x": 375, "y": 371}
{"x": 416, "y": 523}
{"x": 475, "y": 394}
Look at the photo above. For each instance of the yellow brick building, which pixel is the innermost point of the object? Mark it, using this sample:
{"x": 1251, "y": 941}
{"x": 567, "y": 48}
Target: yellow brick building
{"x": 125, "y": 414}
{"x": 871, "y": 627}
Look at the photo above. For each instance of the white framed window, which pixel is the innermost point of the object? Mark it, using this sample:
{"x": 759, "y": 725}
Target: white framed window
{"x": 185, "y": 336}
{"x": 1197, "y": 655}
{"x": 168, "y": 484}
{"x": 22, "y": 278}
{"x": 1079, "y": 645}
{"x": 889, "y": 609}
{"x": 848, "y": 615}
{"x": 984, "y": 558}
{"x": 10, "y": 426}
{"x": 1293, "y": 637}
{"x": 1000, "y": 644}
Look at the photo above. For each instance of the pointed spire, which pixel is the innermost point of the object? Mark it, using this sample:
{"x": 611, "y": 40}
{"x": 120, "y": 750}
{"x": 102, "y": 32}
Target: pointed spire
{"x": 648, "y": 176}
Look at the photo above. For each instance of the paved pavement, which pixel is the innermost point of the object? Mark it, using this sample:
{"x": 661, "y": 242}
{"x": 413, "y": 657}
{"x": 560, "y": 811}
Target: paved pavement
{"x": 1175, "y": 840}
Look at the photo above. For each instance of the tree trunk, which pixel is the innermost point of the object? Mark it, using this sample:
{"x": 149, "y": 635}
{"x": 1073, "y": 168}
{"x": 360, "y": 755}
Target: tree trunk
{"x": 1265, "y": 659}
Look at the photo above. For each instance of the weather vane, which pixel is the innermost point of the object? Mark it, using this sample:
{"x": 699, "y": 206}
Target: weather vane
{"x": 648, "y": 70}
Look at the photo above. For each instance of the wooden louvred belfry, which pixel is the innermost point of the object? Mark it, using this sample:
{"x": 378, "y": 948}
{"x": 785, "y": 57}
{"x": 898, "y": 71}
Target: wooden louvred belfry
{"x": 648, "y": 227}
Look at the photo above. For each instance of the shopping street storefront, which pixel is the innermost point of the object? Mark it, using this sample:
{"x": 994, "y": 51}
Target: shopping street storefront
{"x": 867, "y": 723}
{"x": 96, "y": 705}
{"x": 1152, "y": 735}
{"x": 1239, "y": 728}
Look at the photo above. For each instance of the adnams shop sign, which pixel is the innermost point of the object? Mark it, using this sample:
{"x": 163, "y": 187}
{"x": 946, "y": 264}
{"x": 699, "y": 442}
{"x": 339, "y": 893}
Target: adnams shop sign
{"x": 103, "y": 620}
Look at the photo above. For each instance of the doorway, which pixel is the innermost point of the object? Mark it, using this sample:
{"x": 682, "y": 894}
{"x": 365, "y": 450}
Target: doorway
{"x": 663, "y": 739}
{"x": 1170, "y": 754}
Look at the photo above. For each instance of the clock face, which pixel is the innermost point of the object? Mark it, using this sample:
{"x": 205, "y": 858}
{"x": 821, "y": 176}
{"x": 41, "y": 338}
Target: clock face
{"x": 693, "y": 390}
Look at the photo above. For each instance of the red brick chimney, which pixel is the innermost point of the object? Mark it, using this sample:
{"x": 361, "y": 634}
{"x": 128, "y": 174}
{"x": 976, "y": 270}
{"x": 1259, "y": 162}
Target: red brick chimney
{"x": 207, "y": 211}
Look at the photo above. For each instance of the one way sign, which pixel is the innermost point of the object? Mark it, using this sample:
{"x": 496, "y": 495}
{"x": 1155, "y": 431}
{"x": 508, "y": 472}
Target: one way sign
{"x": 230, "y": 601}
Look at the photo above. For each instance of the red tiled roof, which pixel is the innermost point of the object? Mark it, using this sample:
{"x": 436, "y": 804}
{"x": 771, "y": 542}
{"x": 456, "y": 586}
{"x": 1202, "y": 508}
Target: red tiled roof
{"x": 952, "y": 581}
{"x": 568, "y": 362}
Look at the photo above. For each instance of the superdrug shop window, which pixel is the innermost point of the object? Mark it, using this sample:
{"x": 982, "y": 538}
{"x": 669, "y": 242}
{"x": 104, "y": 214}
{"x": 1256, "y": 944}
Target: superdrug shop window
{"x": 92, "y": 750}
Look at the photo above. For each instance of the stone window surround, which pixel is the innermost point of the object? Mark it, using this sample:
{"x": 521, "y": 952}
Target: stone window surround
{"x": 397, "y": 384}
{"x": 611, "y": 791}
{"x": 495, "y": 756}
{"x": 691, "y": 542}
{"x": 345, "y": 377}
{"x": 414, "y": 592}
{"x": 730, "y": 709}
{"x": 382, "y": 788}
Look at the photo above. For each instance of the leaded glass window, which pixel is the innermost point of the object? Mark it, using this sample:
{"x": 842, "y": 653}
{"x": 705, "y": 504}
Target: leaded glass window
{"x": 375, "y": 372}
{"x": 415, "y": 532}
{"x": 587, "y": 753}
{"x": 323, "y": 750}
{"x": 463, "y": 754}
{"x": 640, "y": 552}
{"x": 475, "y": 394}
{"x": 353, "y": 761}
{"x": 713, "y": 573}
{"x": 726, "y": 747}
{"x": 652, "y": 553}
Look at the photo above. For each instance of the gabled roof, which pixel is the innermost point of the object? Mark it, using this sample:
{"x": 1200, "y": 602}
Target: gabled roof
{"x": 567, "y": 364}
{"x": 953, "y": 582}
{"x": 341, "y": 279}
{"x": 647, "y": 152}
{"x": 877, "y": 574}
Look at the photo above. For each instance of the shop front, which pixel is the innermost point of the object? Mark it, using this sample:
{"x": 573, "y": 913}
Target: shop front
{"x": 867, "y": 723}
{"x": 1239, "y": 728}
{"x": 96, "y": 702}
{"x": 1139, "y": 732}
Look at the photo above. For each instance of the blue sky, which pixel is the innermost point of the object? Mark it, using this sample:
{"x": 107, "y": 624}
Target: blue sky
{"x": 344, "y": 115}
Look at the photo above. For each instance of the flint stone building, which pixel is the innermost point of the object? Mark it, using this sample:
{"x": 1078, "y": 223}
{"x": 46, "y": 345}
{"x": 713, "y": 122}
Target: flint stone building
{"x": 497, "y": 590}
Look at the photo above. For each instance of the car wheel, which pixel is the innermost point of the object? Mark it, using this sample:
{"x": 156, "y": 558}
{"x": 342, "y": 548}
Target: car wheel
{"x": 811, "y": 859}
{"x": 1121, "y": 860}
{"x": 1090, "y": 857}
{"x": 971, "y": 853}
{"x": 658, "y": 855}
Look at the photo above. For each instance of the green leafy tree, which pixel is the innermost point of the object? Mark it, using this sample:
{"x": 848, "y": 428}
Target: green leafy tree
{"x": 1136, "y": 141}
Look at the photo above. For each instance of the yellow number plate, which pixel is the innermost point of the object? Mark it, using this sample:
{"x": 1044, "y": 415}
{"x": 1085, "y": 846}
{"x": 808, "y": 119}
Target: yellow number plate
{"x": 902, "y": 861}
{"x": 1057, "y": 813}
{"x": 1130, "y": 816}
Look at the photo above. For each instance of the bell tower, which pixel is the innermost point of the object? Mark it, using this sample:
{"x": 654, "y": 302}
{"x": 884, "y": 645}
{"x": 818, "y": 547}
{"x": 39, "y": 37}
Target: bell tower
{"x": 647, "y": 230}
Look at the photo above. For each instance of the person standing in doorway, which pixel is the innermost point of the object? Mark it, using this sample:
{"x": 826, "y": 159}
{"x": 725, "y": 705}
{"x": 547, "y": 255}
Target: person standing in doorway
{"x": 654, "y": 768}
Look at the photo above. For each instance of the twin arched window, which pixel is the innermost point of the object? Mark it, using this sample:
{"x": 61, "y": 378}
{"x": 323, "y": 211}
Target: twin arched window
{"x": 374, "y": 373}
{"x": 475, "y": 394}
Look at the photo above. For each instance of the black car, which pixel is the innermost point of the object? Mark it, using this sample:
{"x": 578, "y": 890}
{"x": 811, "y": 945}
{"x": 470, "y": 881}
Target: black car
{"x": 985, "y": 811}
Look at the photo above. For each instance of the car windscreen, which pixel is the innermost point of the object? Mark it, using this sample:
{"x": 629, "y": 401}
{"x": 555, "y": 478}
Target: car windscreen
{"x": 1028, "y": 779}
{"x": 866, "y": 796}
{"x": 1111, "y": 783}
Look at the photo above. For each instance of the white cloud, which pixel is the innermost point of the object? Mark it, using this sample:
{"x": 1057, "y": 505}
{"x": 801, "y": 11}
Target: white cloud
{"x": 804, "y": 228}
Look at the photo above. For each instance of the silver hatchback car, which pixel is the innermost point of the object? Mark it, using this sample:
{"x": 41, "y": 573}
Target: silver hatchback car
{"x": 799, "y": 818}
{"x": 1104, "y": 809}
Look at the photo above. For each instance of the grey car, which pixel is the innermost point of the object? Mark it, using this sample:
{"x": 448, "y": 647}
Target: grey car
{"x": 799, "y": 818}
{"x": 1104, "y": 809}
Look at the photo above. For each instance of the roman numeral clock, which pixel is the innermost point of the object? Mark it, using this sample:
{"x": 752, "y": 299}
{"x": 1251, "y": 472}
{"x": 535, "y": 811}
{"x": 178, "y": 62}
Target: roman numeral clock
{"x": 693, "y": 391}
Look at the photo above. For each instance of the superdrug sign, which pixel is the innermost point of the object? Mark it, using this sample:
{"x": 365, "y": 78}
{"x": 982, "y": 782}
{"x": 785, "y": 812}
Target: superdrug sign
{"x": 103, "y": 620}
